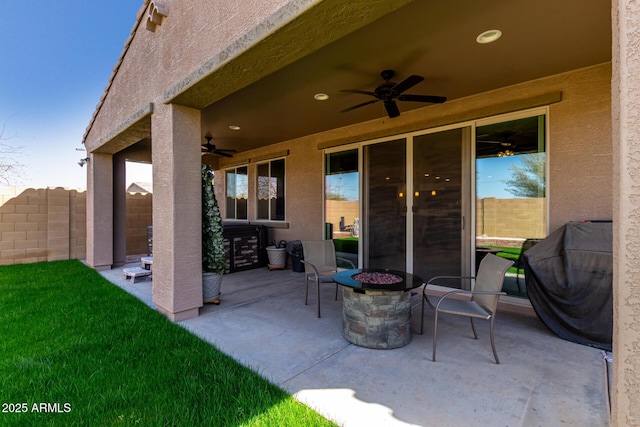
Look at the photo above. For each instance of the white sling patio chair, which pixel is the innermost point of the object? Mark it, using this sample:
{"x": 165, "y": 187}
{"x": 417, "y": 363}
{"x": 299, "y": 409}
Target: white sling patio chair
{"x": 320, "y": 264}
{"x": 482, "y": 302}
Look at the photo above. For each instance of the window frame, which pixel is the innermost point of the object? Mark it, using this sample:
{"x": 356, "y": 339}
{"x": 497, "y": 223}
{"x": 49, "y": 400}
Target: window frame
{"x": 227, "y": 172}
{"x": 272, "y": 216}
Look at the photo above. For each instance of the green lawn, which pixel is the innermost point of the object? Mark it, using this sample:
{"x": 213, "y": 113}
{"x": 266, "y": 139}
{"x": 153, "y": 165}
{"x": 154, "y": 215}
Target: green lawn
{"x": 77, "y": 350}
{"x": 509, "y": 253}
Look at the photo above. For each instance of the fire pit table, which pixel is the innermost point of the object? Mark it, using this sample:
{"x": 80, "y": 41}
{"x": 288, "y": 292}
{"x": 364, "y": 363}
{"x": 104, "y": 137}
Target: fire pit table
{"x": 376, "y": 310}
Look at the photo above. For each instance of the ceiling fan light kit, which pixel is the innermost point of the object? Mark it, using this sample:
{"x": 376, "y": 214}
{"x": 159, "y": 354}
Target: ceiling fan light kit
{"x": 388, "y": 92}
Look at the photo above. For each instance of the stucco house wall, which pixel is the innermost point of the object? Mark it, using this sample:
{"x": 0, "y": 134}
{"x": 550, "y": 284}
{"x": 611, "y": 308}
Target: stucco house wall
{"x": 166, "y": 77}
{"x": 152, "y": 62}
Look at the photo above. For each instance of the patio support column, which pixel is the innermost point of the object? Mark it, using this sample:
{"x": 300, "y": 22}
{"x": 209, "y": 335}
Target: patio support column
{"x": 119, "y": 211}
{"x": 625, "y": 409}
{"x": 100, "y": 211}
{"x": 177, "y": 234}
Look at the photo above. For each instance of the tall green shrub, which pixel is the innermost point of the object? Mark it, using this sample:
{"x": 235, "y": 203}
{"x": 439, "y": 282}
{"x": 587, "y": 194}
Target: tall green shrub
{"x": 213, "y": 256}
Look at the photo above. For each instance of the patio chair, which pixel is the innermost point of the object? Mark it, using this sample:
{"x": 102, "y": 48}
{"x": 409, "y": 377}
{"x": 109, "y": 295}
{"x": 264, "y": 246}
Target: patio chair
{"x": 482, "y": 302}
{"x": 526, "y": 245}
{"x": 320, "y": 264}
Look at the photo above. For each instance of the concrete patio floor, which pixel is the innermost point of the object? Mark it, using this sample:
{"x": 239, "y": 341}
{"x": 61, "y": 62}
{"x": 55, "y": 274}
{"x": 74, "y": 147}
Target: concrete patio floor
{"x": 263, "y": 323}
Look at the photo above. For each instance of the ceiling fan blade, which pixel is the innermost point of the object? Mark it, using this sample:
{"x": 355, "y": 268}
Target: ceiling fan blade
{"x": 407, "y": 83}
{"x": 392, "y": 109}
{"x": 359, "y": 105}
{"x": 361, "y": 92}
{"x": 222, "y": 153}
{"x": 423, "y": 98}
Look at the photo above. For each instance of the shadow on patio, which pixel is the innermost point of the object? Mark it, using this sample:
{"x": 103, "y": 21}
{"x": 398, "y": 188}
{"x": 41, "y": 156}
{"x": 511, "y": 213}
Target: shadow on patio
{"x": 263, "y": 323}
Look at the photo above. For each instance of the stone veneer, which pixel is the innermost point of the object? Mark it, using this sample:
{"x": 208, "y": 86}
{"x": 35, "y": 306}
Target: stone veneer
{"x": 377, "y": 319}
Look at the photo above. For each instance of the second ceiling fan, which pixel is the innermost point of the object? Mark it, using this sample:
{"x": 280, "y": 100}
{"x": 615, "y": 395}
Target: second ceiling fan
{"x": 388, "y": 92}
{"x": 209, "y": 148}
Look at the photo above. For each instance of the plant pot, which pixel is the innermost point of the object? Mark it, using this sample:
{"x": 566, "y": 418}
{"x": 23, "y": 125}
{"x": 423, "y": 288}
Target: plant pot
{"x": 295, "y": 251}
{"x": 277, "y": 257}
{"x": 296, "y": 264}
{"x": 211, "y": 285}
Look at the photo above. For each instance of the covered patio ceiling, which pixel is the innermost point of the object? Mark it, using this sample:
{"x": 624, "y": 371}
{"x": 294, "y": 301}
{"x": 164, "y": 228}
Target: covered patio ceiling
{"x": 433, "y": 39}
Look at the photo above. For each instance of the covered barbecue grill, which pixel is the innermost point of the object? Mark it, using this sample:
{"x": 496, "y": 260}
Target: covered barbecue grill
{"x": 569, "y": 277}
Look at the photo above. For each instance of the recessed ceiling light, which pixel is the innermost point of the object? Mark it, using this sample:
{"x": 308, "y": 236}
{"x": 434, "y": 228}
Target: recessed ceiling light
{"x": 321, "y": 96}
{"x": 234, "y": 127}
{"x": 489, "y": 36}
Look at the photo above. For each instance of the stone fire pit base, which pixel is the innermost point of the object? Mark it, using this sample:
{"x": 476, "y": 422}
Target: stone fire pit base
{"x": 376, "y": 318}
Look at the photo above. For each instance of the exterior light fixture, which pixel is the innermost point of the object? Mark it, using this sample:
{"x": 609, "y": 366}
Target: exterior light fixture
{"x": 489, "y": 36}
{"x": 84, "y": 161}
{"x": 433, "y": 192}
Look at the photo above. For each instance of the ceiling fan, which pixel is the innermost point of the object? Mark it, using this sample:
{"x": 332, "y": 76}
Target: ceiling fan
{"x": 388, "y": 92}
{"x": 209, "y": 148}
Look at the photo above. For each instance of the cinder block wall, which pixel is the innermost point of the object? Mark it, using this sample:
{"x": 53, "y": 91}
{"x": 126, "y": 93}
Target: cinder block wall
{"x": 511, "y": 218}
{"x": 139, "y": 217}
{"x": 50, "y": 224}
{"x": 335, "y": 209}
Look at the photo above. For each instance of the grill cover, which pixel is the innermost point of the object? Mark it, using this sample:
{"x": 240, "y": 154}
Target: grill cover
{"x": 569, "y": 277}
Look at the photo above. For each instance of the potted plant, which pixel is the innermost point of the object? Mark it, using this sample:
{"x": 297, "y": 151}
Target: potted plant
{"x": 294, "y": 249}
{"x": 214, "y": 260}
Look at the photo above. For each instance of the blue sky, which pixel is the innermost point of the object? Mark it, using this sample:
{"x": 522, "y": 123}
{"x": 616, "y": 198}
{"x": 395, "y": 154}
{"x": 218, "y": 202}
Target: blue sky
{"x": 56, "y": 59}
{"x": 491, "y": 175}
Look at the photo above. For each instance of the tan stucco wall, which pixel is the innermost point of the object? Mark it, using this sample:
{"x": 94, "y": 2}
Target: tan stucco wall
{"x": 48, "y": 224}
{"x": 201, "y": 53}
{"x": 579, "y": 151}
{"x": 626, "y": 230}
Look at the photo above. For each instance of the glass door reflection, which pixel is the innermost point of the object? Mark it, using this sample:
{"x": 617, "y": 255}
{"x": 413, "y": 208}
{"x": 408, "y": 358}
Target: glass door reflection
{"x": 385, "y": 205}
{"x": 438, "y": 204}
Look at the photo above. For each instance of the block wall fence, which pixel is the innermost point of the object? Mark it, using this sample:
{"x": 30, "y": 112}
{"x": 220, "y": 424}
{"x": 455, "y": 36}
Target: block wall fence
{"x": 507, "y": 222}
{"x": 50, "y": 224}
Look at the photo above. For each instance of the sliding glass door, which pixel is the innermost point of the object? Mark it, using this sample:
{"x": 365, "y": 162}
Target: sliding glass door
{"x": 439, "y": 204}
{"x": 414, "y": 204}
{"x": 432, "y": 203}
{"x": 385, "y": 206}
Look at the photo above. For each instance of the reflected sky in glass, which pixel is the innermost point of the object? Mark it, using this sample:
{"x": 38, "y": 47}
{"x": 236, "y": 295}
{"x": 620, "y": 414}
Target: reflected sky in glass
{"x": 491, "y": 176}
